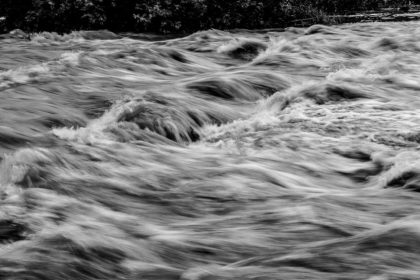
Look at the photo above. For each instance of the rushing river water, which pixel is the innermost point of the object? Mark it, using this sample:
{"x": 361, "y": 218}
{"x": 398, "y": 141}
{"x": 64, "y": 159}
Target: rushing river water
{"x": 245, "y": 155}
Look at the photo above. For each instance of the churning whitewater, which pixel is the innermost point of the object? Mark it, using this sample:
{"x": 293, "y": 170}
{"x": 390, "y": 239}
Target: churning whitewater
{"x": 277, "y": 154}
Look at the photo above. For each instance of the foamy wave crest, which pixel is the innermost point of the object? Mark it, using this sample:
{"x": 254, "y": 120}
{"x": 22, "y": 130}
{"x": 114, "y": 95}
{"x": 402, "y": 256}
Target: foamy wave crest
{"x": 22, "y": 75}
{"x": 75, "y": 37}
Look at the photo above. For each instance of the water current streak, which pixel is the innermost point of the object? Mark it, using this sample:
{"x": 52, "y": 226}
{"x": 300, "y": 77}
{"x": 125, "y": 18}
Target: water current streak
{"x": 221, "y": 155}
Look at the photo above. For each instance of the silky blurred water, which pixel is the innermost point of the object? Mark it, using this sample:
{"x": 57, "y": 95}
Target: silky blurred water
{"x": 221, "y": 155}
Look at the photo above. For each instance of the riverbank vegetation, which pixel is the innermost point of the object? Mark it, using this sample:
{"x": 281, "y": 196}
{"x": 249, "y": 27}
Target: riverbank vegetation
{"x": 173, "y": 16}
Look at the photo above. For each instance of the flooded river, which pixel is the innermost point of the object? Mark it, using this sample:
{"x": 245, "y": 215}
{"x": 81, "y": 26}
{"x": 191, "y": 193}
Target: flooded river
{"x": 277, "y": 154}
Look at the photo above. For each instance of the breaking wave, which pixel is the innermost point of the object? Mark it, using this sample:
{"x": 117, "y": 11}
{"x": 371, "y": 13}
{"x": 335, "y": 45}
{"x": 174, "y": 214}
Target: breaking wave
{"x": 281, "y": 154}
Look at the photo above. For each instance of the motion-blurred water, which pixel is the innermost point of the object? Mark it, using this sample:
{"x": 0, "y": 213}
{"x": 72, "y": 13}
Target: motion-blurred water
{"x": 243, "y": 155}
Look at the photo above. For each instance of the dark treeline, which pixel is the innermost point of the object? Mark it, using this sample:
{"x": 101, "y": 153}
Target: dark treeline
{"x": 165, "y": 16}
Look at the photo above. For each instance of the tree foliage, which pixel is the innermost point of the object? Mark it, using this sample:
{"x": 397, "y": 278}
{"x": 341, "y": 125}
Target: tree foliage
{"x": 166, "y": 16}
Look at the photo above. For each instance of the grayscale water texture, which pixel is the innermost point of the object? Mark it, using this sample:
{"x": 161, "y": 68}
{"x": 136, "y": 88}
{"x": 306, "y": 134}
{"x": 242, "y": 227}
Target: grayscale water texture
{"x": 221, "y": 155}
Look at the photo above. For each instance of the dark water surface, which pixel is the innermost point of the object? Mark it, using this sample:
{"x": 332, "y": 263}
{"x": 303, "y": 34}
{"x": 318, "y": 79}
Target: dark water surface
{"x": 246, "y": 155}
